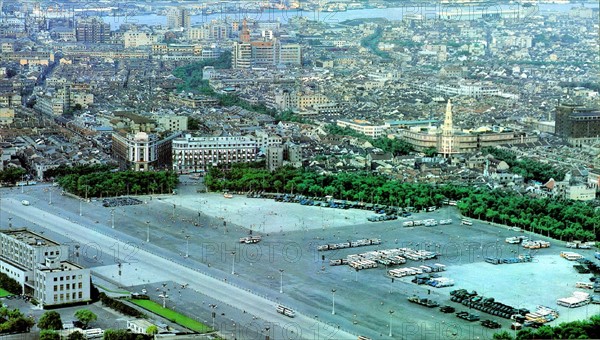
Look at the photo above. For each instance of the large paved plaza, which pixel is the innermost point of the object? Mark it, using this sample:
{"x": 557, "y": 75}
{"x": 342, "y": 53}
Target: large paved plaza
{"x": 201, "y": 231}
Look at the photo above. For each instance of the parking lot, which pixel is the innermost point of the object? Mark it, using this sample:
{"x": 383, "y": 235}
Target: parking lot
{"x": 287, "y": 259}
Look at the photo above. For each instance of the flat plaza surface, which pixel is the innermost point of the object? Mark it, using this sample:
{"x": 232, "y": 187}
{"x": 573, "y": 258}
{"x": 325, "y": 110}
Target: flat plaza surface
{"x": 201, "y": 231}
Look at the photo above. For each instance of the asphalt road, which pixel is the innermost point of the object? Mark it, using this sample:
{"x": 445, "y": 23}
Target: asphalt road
{"x": 155, "y": 268}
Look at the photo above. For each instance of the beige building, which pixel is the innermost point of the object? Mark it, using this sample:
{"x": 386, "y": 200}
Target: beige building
{"x": 581, "y": 192}
{"x": 40, "y": 265}
{"x": 172, "y": 122}
{"x": 194, "y": 154}
{"x": 142, "y": 151}
{"x": 133, "y": 39}
{"x": 7, "y": 115}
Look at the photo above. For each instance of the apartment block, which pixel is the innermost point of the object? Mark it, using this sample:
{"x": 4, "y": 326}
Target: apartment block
{"x": 40, "y": 265}
{"x": 194, "y": 154}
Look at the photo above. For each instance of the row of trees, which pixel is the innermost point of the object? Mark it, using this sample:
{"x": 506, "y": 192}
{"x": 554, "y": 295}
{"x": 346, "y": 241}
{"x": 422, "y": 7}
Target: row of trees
{"x": 51, "y": 320}
{"x": 120, "y": 306}
{"x": 559, "y": 219}
{"x": 397, "y": 147}
{"x": 372, "y": 41}
{"x": 101, "y": 184}
{"x": 585, "y": 329}
{"x": 528, "y": 168}
{"x": 11, "y": 175}
{"x": 13, "y": 321}
{"x": 63, "y": 170}
{"x": 9, "y": 284}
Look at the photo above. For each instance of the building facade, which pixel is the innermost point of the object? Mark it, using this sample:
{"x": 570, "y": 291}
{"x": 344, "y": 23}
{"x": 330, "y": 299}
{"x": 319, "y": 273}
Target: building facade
{"x": 92, "y": 30}
{"x": 195, "y": 154}
{"x": 577, "y": 124}
{"x": 142, "y": 151}
{"x": 363, "y": 126}
{"x": 40, "y": 265}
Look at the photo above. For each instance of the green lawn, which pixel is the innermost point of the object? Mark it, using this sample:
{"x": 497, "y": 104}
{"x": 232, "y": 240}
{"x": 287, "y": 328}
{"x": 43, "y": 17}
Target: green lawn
{"x": 4, "y": 293}
{"x": 172, "y": 315}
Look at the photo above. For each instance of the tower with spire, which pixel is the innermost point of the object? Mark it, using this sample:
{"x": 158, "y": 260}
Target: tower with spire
{"x": 447, "y": 132}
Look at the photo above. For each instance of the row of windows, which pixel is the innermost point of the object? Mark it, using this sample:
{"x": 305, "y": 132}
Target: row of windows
{"x": 67, "y": 297}
{"x": 62, "y": 278}
{"x": 68, "y": 286}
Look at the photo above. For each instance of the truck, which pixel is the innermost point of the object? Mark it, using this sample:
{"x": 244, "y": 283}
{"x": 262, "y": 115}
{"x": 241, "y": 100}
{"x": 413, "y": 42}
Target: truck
{"x": 423, "y": 301}
{"x": 25, "y": 202}
{"x": 285, "y": 311}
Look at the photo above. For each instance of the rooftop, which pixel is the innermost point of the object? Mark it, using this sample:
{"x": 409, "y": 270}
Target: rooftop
{"x": 30, "y": 238}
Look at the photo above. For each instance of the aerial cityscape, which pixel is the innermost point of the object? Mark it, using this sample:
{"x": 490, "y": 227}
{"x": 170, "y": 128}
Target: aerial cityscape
{"x": 299, "y": 169}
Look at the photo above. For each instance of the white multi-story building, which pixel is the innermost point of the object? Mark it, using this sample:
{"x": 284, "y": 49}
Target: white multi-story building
{"x": 132, "y": 39}
{"x": 364, "y": 127}
{"x": 194, "y": 154}
{"x": 40, "y": 265}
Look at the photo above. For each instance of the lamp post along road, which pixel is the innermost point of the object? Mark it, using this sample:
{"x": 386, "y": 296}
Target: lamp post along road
{"x": 391, "y": 312}
{"x": 112, "y": 218}
{"x": 233, "y": 263}
{"x": 187, "y": 245}
{"x": 333, "y": 301}
{"x": 281, "y": 281}
{"x": 147, "y": 231}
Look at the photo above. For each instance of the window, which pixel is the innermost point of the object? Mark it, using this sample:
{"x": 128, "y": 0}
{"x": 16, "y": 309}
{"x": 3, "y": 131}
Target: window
{"x": 69, "y": 286}
{"x": 62, "y": 287}
{"x": 79, "y": 295}
{"x": 79, "y": 285}
{"x": 55, "y": 288}
{"x": 55, "y": 279}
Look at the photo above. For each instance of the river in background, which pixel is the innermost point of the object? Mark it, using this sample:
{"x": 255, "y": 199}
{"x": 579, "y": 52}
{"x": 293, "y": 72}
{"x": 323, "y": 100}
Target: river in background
{"x": 395, "y": 13}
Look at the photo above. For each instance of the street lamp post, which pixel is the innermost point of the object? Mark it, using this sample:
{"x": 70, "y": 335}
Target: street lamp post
{"x": 10, "y": 223}
{"x": 164, "y": 295}
{"x": 50, "y": 191}
{"x": 281, "y": 281}
{"x": 198, "y": 218}
{"x": 112, "y": 217}
{"x": 233, "y": 263}
{"x": 391, "y": 312}
{"x": 80, "y": 212}
{"x": 213, "y": 306}
{"x": 333, "y": 301}
{"x": 174, "y": 211}
{"x": 147, "y": 231}
{"x": 187, "y": 245}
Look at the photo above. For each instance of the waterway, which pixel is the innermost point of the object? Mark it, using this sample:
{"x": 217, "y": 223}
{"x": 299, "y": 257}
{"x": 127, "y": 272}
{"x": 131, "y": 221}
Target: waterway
{"x": 395, "y": 13}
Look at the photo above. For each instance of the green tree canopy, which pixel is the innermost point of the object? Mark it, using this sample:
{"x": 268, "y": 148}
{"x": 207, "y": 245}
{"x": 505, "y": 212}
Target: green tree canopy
{"x": 85, "y": 316}
{"x": 50, "y": 320}
{"x": 48, "y": 334}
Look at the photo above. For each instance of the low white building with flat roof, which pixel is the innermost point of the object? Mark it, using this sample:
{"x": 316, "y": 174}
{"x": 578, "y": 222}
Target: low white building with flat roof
{"x": 40, "y": 265}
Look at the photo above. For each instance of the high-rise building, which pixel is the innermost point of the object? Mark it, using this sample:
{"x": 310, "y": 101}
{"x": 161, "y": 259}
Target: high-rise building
{"x": 242, "y": 55}
{"x": 577, "y": 124}
{"x": 179, "y": 18}
{"x": 447, "y": 132}
{"x": 92, "y": 30}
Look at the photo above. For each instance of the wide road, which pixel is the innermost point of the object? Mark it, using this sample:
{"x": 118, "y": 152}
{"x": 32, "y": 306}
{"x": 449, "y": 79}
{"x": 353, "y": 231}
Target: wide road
{"x": 161, "y": 269}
